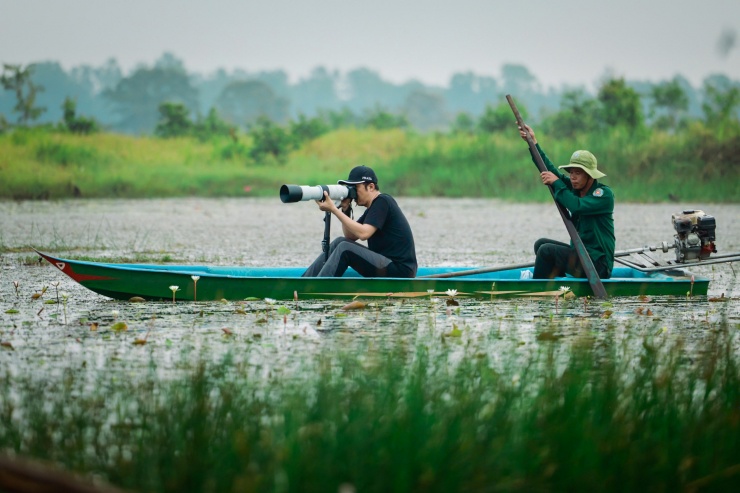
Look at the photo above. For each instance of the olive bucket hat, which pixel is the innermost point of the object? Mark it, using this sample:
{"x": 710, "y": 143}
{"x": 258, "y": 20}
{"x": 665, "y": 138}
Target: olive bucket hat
{"x": 586, "y": 161}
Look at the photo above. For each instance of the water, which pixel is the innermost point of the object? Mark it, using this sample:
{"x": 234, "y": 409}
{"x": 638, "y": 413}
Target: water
{"x": 46, "y": 339}
{"x": 78, "y": 371}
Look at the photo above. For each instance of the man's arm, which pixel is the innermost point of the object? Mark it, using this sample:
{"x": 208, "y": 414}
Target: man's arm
{"x": 351, "y": 229}
{"x": 548, "y": 164}
{"x": 600, "y": 201}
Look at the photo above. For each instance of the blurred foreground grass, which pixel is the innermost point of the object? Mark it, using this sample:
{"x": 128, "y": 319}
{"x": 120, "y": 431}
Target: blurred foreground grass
{"x": 632, "y": 411}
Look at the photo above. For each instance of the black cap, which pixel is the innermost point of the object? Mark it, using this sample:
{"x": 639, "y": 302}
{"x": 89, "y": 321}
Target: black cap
{"x": 360, "y": 174}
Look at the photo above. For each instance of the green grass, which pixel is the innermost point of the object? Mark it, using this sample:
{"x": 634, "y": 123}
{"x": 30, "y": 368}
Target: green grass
{"x": 596, "y": 415}
{"x": 693, "y": 166}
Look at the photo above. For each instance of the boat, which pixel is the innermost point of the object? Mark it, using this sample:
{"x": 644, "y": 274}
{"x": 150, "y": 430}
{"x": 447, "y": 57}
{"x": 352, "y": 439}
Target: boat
{"x": 213, "y": 283}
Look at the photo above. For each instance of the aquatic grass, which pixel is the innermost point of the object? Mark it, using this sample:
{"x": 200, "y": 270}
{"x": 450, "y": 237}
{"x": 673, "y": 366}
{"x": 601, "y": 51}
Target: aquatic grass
{"x": 420, "y": 417}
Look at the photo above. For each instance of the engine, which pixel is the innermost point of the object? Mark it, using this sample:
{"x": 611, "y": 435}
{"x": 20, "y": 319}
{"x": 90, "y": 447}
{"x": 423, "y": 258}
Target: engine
{"x": 694, "y": 238}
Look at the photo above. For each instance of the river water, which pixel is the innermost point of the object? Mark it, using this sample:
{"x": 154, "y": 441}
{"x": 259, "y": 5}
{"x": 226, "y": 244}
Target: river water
{"x": 268, "y": 233}
{"x": 71, "y": 327}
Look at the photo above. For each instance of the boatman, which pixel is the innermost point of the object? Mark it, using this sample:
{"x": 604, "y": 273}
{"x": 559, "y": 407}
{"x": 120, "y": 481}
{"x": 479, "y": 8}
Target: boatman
{"x": 390, "y": 250}
{"x": 591, "y": 207}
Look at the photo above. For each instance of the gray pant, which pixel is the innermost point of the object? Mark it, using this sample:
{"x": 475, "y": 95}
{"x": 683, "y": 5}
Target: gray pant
{"x": 344, "y": 253}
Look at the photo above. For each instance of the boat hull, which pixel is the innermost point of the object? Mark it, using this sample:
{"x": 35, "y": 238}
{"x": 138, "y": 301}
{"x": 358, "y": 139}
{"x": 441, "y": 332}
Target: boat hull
{"x": 153, "y": 282}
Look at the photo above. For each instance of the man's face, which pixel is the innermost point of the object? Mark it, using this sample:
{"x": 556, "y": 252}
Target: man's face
{"x": 578, "y": 178}
{"x": 364, "y": 194}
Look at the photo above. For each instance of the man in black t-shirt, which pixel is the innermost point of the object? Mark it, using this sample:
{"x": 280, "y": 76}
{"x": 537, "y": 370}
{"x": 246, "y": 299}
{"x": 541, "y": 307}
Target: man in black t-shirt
{"x": 390, "y": 251}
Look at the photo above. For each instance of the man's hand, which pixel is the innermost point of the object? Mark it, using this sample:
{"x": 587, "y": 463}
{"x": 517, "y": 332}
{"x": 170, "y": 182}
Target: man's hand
{"x": 548, "y": 178}
{"x": 327, "y": 205}
{"x": 527, "y": 129}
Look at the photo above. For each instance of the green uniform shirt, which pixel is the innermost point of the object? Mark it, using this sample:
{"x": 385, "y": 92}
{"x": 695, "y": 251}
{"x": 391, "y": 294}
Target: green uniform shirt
{"x": 592, "y": 214}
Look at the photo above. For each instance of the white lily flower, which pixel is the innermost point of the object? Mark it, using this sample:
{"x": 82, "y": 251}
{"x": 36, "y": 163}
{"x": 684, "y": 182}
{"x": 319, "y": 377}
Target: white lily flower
{"x": 451, "y": 292}
{"x": 564, "y": 288}
{"x": 270, "y": 301}
{"x": 195, "y": 278}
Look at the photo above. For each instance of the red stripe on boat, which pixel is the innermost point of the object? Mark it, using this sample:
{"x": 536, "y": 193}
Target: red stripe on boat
{"x": 67, "y": 269}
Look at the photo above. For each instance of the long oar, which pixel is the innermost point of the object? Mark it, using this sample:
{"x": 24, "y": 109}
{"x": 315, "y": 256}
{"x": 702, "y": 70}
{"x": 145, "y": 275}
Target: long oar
{"x": 588, "y": 266}
{"x": 486, "y": 270}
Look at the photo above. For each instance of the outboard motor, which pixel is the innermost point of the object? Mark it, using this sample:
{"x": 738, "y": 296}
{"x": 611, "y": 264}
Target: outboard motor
{"x": 694, "y": 238}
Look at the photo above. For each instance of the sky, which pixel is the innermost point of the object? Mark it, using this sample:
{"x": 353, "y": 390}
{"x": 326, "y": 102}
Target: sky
{"x": 561, "y": 42}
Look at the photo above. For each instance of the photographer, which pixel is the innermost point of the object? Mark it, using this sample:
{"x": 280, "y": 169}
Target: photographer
{"x": 591, "y": 206}
{"x": 390, "y": 251}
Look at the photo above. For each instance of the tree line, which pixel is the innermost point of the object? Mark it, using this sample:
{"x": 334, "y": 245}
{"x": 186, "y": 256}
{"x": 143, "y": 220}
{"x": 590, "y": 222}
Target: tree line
{"x": 140, "y": 101}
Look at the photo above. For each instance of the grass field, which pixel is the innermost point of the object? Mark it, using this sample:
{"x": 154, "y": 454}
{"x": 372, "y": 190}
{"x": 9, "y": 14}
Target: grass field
{"x": 689, "y": 167}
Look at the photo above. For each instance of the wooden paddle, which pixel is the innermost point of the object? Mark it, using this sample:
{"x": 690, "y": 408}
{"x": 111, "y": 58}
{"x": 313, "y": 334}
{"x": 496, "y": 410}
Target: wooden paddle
{"x": 588, "y": 266}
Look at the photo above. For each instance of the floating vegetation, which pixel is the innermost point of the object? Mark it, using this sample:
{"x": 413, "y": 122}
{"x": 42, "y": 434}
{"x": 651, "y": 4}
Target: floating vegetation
{"x": 545, "y": 393}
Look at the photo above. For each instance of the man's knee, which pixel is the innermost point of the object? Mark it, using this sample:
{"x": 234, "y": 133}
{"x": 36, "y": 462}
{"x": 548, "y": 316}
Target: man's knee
{"x": 546, "y": 250}
{"x": 539, "y": 243}
{"x": 337, "y": 241}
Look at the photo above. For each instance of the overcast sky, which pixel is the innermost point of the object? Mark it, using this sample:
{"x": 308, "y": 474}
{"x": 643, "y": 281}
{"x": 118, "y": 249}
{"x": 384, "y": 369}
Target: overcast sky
{"x": 570, "y": 42}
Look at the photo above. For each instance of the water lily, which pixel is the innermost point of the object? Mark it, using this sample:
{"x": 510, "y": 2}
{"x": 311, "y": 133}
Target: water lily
{"x": 270, "y": 301}
{"x": 564, "y": 289}
{"x": 174, "y": 290}
{"x": 451, "y": 292}
{"x": 195, "y": 287}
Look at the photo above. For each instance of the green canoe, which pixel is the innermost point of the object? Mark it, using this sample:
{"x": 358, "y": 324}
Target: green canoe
{"x": 201, "y": 283}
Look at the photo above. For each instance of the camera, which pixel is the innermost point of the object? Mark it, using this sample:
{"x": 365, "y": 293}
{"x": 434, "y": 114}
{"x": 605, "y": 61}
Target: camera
{"x": 296, "y": 193}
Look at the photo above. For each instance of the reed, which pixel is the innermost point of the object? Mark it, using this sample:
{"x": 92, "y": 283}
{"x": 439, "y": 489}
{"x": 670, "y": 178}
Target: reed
{"x": 591, "y": 416}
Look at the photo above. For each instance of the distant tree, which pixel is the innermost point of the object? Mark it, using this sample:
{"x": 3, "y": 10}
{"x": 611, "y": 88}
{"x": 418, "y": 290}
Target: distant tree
{"x": 620, "y": 105}
{"x": 518, "y": 81}
{"x": 245, "y": 102}
{"x": 137, "y": 97}
{"x": 381, "y": 119}
{"x": 305, "y": 129}
{"x": 319, "y": 90}
{"x": 425, "y": 110}
{"x": 269, "y": 140}
{"x": 464, "y": 123}
{"x": 578, "y": 113}
{"x": 18, "y": 79}
{"x": 86, "y": 84}
{"x": 669, "y": 103}
{"x": 168, "y": 61}
{"x": 500, "y": 118}
{"x": 470, "y": 93}
{"x": 77, "y": 124}
{"x": 721, "y": 102}
{"x": 365, "y": 90}
{"x": 212, "y": 126}
{"x": 174, "y": 120}
{"x": 342, "y": 118}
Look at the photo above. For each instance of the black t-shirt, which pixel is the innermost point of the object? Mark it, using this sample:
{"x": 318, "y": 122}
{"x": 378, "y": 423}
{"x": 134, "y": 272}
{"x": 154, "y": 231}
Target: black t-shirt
{"x": 393, "y": 239}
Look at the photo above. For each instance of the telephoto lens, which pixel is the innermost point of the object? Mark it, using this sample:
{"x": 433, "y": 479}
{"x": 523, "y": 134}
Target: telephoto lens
{"x": 297, "y": 193}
